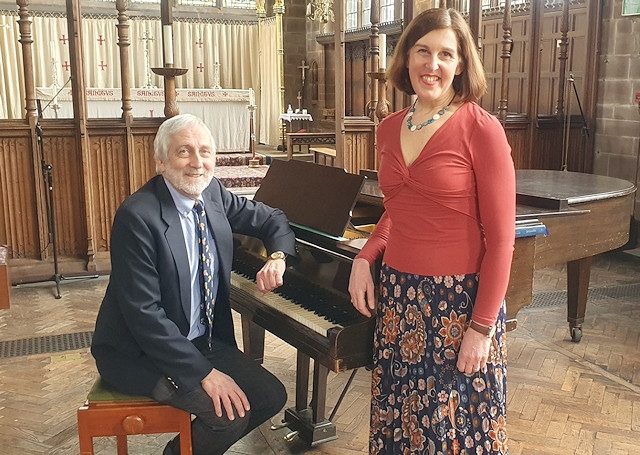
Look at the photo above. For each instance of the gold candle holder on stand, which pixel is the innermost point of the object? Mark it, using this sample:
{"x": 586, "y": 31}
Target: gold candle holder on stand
{"x": 253, "y": 161}
{"x": 169, "y": 73}
{"x": 383, "y": 105}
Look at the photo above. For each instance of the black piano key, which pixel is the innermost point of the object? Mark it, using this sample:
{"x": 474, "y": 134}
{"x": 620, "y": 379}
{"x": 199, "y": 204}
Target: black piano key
{"x": 333, "y": 307}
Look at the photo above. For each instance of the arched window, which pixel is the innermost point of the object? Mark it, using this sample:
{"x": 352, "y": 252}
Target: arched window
{"x": 314, "y": 82}
{"x": 358, "y": 12}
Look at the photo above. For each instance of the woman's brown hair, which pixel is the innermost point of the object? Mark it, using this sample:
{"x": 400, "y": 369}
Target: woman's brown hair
{"x": 471, "y": 84}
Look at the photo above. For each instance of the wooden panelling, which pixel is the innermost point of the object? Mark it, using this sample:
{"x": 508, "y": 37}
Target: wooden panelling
{"x": 141, "y": 163}
{"x": 116, "y": 169}
{"x": 517, "y": 131}
{"x": 110, "y": 174}
{"x": 520, "y": 61}
{"x": 358, "y": 144}
{"x": 18, "y": 194}
{"x": 62, "y": 153}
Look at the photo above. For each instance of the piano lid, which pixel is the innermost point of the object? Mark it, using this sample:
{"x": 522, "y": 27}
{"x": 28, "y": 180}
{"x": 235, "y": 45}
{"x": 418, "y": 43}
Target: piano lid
{"x": 312, "y": 195}
{"x": 550, "y": 189}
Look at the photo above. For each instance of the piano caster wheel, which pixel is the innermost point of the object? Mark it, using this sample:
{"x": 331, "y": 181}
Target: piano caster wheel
{"x": 290, "y": 436}
{"x": 576, "y": 334}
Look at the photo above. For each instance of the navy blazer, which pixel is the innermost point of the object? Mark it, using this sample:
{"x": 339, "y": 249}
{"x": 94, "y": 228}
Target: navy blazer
{"x": 142, "y": 325}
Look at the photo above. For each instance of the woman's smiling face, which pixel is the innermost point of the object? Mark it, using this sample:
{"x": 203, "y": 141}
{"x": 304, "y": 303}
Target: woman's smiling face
{"x": 433, "y": 63}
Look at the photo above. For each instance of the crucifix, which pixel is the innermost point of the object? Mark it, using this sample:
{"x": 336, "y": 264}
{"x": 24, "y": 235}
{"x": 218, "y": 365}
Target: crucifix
{"x": 303, "y": 67}
{"x": 146, "y": 37}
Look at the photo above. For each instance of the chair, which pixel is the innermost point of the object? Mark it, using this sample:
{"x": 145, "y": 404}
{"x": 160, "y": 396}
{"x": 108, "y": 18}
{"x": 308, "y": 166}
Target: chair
{"x": 109, "y": 413}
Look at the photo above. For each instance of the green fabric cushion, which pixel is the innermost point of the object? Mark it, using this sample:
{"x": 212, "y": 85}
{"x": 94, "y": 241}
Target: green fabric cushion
{"x": 101, "y": 392}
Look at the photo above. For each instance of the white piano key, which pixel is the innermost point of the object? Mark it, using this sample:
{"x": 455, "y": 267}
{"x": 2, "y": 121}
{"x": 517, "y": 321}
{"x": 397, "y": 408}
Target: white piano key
{"x": 287, "y": 307}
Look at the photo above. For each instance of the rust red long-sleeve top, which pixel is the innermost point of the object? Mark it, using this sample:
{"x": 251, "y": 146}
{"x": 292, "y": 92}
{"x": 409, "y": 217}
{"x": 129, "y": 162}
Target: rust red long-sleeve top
{"x": 452, "y": 211}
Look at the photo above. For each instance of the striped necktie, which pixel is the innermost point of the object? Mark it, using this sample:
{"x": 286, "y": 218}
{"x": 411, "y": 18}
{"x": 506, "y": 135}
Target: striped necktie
{"x": 205, "y": 268}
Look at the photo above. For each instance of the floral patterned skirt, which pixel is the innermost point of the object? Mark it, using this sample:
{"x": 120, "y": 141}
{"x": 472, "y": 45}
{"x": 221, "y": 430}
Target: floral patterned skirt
{"x": 420, "y": 402}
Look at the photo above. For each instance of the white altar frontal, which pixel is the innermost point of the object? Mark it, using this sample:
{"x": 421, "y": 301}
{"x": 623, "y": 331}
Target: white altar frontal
{"x": 224, "y": 111}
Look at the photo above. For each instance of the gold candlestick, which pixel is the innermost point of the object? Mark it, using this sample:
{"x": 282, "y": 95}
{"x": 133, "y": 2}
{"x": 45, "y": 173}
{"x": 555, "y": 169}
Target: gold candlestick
{"x": 253, "y": 161}
{"x": 169, "y": 73}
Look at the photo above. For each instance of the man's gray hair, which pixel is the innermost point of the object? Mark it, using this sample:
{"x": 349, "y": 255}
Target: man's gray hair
{"x": 172, "y": 126}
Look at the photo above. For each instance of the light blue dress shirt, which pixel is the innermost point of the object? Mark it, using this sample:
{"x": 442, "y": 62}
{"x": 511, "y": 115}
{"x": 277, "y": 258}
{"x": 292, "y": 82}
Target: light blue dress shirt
{"x": 184, "y": 206}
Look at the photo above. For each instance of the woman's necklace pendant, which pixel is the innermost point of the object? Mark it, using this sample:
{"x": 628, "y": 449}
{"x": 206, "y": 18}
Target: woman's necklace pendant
{"x": 413, "y": 128}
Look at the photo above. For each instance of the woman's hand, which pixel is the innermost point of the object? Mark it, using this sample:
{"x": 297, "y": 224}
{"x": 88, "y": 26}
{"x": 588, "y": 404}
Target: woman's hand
{"x": 361, "y": 287}
{"x": 474, "y": 352}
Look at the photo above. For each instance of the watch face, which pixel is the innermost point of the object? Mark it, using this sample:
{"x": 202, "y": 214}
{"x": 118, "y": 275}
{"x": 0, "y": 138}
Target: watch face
{"x": 277, "y": 255}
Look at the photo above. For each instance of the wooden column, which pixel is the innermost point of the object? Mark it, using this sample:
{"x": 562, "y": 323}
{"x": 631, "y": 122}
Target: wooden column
{"x": 374, "y": 52}
{"x": 590, "y": 85}
{"x": 507, "y": 47}
{"x": 278, "y": 10}
{"x": 562, "y": 70}
{"x": 78, "y": 87}
{"x": 537, "y": 11}
{"x": 339, "y": 78}
{"x": 123, "y": 44}
{"x": 26, "y": 40}
{"x": 475, "y": 22}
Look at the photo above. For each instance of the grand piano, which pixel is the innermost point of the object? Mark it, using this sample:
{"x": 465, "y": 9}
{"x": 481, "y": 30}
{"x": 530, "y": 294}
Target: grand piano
{"x": 562, "y": 217}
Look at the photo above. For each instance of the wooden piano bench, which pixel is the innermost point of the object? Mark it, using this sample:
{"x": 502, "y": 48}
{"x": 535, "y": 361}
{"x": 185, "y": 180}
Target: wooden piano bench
{"x": 109, "y": 413}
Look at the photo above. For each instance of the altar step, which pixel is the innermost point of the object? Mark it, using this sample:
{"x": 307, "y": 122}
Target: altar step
{"x": 233, "y": 171}
{"x": 241, "y": 179}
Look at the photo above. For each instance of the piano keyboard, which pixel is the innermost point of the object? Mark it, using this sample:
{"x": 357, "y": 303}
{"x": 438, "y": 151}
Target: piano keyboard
{"x": 293, "y": 310}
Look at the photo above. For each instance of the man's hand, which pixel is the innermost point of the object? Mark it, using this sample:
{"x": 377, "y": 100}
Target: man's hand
{"x": 270, "y": 275}
{"x": 225, "y": 393}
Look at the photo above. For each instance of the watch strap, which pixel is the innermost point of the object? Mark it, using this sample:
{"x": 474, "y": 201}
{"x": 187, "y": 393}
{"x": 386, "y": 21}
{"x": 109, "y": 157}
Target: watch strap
{"x": 486, "y": 330}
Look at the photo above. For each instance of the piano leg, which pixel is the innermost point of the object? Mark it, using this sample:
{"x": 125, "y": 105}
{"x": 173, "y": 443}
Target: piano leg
{"x": 308, "y": 420}
{"x": 578, "y": 273}
{"x": 252, "y": 339}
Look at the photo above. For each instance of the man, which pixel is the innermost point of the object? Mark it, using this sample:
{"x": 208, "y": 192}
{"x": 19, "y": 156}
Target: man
{"x": 151, "y": 336}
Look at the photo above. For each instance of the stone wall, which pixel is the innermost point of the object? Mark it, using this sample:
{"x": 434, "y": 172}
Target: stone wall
{"x": 617, "y": 129}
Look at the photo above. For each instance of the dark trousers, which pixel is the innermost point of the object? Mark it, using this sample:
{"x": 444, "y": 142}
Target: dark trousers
{"x": 211, "y": 434}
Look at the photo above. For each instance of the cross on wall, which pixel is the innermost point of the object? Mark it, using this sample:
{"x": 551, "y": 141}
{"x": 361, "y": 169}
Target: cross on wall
{"x": 303, "y": 67}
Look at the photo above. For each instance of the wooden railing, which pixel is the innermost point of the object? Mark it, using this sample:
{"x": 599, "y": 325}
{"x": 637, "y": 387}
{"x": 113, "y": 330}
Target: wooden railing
{"x": 301, "y": 142}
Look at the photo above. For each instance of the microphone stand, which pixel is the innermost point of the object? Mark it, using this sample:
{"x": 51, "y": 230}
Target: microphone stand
{"x": 47, "y": 169}
{"x": 47, "y": 174}
{"x": 585, "y": 127}
{"x": 567, "y": 122}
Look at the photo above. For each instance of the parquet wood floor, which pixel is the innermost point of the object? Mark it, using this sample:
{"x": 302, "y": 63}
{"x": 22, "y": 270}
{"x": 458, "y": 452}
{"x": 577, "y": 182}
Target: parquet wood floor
{"x": 563, "y": 398}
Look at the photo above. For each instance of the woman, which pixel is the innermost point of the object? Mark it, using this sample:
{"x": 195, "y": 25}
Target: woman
{"x": 446, "y": 240}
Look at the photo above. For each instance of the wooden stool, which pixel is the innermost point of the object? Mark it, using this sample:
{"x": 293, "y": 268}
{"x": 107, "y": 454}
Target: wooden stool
{"x": 109, "y": 413}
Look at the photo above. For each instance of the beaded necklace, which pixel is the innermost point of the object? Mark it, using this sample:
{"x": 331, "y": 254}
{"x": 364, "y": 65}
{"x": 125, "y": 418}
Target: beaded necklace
{"x": 435, "y": 117}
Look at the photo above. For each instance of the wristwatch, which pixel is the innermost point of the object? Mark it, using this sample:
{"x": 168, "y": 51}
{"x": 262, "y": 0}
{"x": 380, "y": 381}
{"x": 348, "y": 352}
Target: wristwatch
{"x": 278, "y": 255}
{"x": 486, "y": 330}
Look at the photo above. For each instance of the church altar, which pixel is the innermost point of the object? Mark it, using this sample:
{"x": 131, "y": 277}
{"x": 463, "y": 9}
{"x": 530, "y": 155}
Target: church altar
{"x": 224, "y": 111}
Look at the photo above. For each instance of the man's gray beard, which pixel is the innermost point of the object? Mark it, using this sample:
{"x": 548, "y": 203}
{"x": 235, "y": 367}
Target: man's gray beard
{"x": 180, "y": 182}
